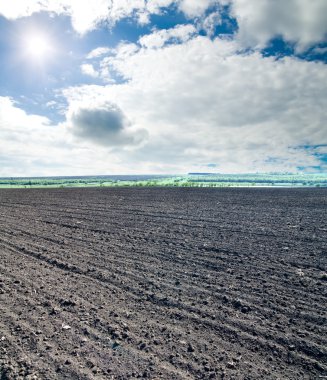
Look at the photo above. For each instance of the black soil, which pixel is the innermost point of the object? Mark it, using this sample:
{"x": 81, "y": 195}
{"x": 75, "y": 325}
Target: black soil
{"x": 163, "y": 284}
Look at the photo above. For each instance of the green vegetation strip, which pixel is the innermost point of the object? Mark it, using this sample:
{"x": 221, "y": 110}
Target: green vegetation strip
{"x": 191, "y": 180}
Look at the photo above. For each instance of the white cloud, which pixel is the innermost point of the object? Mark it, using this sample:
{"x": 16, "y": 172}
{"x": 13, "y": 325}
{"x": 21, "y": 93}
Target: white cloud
{"x": 157, "y": 39}
{"x": 51, "y": 104}
{"x": 98, "y": 52}
{"x": 195, "y": 8}
{"x": 155, "y": 6}
{"x": 86, "y": 15}
{"x": 210, "y": 22}
{"x": 242, "y": 112}
{"x": 302, "y": 22}
{"x": 319, "y": 50}
{"x": 10, "y": 115}
{"x": 25, "y": 139}
{"x": 16, "y": 8}
{"x": 88, "y": 69}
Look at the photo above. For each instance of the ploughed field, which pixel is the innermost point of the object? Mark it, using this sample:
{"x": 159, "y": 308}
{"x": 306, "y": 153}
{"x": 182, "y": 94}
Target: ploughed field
{"x": 118, "y": 283}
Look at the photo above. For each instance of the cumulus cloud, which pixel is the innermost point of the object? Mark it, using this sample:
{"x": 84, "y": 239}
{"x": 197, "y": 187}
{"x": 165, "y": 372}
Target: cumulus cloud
{"x": 98, "y": 52}
{"x": 210, "y": 22}
{"x": 302, "y": 22}
{"x": 86, "y": 15}
{"x": 26, "y": 139}
{"x": 157, "y": 39}
{"x": 15, "y": 9}
{"x": 12, "y": 116}
{"x": 236, "y": 110}
{"x": 104, "y": 124}
{"x": 194, "y": 8}
{"x": 155, "y": 6}
{"x": 88, "y": 69}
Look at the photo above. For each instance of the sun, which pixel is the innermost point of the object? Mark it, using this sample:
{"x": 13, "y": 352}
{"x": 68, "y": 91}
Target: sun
{"x": 37, "y": 46}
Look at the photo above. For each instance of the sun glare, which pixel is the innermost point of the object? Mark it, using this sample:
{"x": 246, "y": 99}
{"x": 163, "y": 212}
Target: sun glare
{"x": 37, "y": 46}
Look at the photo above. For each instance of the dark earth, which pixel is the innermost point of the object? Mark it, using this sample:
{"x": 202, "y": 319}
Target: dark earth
{"x": 183, "y": 283}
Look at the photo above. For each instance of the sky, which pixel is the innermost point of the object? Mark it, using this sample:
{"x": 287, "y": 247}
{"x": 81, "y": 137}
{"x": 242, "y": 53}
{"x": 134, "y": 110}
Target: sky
{"x": 162, "y": 86}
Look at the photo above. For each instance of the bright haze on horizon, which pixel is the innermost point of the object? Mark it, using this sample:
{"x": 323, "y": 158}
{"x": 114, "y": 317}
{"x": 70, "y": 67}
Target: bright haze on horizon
{"x": 162, "y": 86}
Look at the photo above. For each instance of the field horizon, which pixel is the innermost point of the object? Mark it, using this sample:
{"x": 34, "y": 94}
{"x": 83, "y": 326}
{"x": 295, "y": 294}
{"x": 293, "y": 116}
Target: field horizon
{"x": 171, "y": 180}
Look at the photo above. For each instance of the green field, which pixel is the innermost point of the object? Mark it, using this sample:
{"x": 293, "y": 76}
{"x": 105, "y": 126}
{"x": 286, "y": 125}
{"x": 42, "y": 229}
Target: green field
{"x": 189, "y": 180}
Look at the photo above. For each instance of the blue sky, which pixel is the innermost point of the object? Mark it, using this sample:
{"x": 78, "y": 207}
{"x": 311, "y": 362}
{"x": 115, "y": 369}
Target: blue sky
{"x": 162, "y": 86}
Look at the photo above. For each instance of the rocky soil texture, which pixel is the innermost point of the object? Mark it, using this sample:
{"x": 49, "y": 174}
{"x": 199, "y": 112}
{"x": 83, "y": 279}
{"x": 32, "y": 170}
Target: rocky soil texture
{"x": 163, "y": 284}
